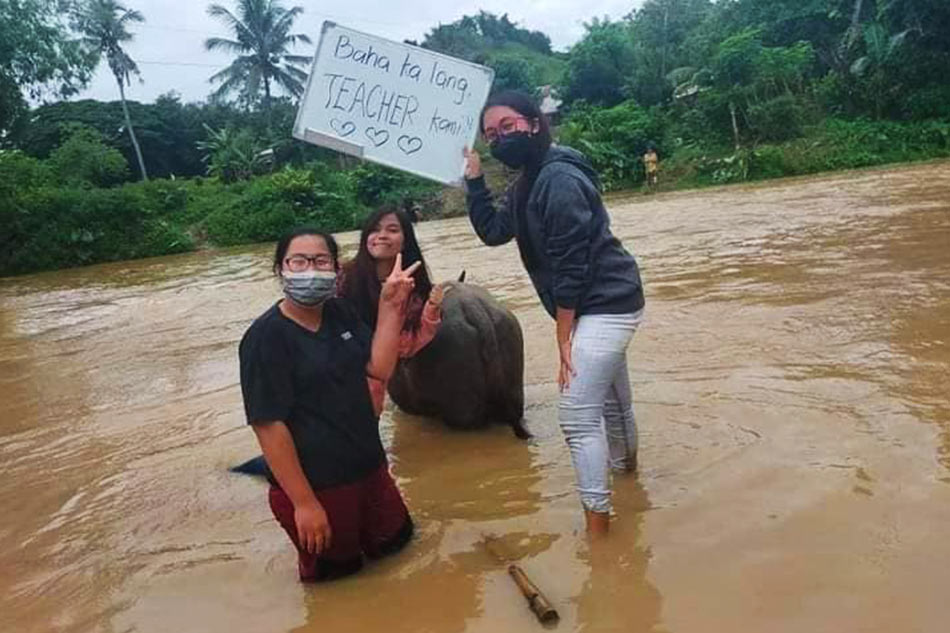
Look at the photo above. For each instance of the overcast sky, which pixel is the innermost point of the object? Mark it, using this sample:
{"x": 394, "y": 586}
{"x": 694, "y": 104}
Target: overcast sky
{"x": 169, "y": 45}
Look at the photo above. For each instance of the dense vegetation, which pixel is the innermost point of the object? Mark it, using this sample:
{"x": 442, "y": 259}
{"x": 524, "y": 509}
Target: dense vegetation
{"x": 76, "y": 207}
{"x": 742, "y": 89}
{"x": 728, "y": 91}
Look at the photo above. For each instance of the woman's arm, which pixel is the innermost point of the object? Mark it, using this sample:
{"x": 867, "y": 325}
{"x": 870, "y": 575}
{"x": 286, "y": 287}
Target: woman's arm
{"x": 377, "y": 394}
{"x": 392, "y": 314}
{"x": 493, "y": 227}
{"x": 313, "y": 526}
{"x": 385, "y": 347}
{"x": 565, "y": 328}
{"x": 410, "y": 343}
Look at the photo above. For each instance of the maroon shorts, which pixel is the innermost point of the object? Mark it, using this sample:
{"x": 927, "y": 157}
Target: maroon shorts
{"x": 367, "y": 517}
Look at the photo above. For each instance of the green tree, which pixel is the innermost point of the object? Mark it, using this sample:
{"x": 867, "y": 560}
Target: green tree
{"x": 104, "y": 28}
{"x": 522, "y": 59}
{"x": 168, "y": 131}
{"x": 733, "y": 69}
{"x": 499, "y": 31}
{"x": 759, "y": 86}
{"x": 925, "y": 55}
{"x": 598, "y": 65}
{"x": 823, "y": 23}
{"x": 513, "y": 72}
{"x": 38, "y": 57}
{"x": 929, "y": 20}
{"x": 880, "y": 50}
{"x": 614, "y": 139}
{"x": 659, "y": 29}
{"x": 261, "y": 41}
{"x": 85, "y": 160}
{"x": 457, "y": 39}
{"x": 473, "y": 37}
{"x": 233, "y": 155}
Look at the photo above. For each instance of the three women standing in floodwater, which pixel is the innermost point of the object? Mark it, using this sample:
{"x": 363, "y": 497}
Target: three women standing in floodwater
{"x": 314, "y": 367}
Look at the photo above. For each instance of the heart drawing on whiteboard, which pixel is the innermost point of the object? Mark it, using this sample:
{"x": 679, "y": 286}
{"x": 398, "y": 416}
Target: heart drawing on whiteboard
{"x": 376, "y": 136}
{"x": 342, "y": 128}
{"x": 409, "y": 144}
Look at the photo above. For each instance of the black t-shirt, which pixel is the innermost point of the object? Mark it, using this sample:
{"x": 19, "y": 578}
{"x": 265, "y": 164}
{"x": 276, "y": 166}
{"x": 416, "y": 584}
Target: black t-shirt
{"x": 316, "y": 384}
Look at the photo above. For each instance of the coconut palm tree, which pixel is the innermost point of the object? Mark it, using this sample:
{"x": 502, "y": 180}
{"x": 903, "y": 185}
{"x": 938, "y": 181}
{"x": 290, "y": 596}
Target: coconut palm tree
{"x": 103, "y": 25}
{"x": 261, "y": 41}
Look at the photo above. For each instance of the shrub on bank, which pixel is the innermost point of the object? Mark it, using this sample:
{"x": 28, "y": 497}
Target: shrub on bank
{"x": 317, "y": 195}
{"x": 51, "y": 227}
{"x": 780, "y": 119}
{"x": 52, "y": 222}
{"x": 84, "y": 160}
{"x": 270, "y": 205}
{"x": 376, "y": 185}
{"x": 839, "y": 144}
{"x": 835, "y": 144}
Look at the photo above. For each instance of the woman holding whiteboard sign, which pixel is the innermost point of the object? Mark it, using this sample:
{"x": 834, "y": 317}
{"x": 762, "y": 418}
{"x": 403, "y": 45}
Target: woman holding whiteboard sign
{"x": 584, "y": 277}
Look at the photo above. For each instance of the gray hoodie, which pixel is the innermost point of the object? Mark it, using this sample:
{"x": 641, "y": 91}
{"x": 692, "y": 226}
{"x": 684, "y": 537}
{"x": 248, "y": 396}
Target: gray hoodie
{"x": 564, "y": 237}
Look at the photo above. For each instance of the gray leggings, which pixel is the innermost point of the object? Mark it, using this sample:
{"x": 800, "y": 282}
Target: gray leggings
{"x": 596, "y": 411}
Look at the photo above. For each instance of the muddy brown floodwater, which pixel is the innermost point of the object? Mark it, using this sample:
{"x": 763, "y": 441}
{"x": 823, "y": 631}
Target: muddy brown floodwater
{"x": 791, "y": 386}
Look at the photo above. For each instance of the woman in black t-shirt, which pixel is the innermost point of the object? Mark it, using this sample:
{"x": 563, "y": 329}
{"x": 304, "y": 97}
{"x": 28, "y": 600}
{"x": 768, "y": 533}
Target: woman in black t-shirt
{"x": 306, "y": 365}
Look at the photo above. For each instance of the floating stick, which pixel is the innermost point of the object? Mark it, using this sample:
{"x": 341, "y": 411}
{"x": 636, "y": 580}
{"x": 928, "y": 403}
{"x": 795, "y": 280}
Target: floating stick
{"x": 537, "y": 602}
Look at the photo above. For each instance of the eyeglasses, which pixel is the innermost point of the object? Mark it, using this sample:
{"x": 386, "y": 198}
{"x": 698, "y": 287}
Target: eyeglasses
{"x": 300, "y": 263}
{"x": 505, "y": 127}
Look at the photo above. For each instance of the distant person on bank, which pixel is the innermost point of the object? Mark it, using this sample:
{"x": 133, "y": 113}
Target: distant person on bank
{"x": 307, "y": 364}
{"x": 584, "y": 277}
{"x": 651, "y": 164}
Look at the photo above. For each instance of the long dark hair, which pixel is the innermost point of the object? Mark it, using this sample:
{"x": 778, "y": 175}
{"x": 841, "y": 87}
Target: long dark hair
{"x": 284, "y": 243}
{"x": 526, "y": 107}
{"x": 361, "y": 284}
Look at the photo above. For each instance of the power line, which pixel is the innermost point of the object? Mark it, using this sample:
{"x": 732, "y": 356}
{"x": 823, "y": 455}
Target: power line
{"x": 340, "y": 18}
{"x": 162, "y": 27}
{"x": 166, "y": 63}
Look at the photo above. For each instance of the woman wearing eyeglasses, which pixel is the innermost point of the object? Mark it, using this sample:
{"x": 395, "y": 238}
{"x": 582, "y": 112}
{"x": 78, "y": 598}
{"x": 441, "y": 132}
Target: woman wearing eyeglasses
{"x": 306, "y": 368}
{"x": 584, "y": 277}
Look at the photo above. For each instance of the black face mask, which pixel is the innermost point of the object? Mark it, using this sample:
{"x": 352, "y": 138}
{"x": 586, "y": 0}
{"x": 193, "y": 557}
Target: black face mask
{"x": 513, "y": 149}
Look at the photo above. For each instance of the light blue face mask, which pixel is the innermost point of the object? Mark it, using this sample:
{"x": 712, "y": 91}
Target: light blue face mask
{"x": 310, "y": 287}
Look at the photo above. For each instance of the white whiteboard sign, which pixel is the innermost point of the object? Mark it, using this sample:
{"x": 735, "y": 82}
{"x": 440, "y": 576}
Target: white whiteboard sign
{"x": 394, "y": 104}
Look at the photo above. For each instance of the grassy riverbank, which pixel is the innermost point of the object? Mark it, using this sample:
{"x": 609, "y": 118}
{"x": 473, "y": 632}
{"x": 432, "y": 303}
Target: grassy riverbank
{"x": 51, "y": 221}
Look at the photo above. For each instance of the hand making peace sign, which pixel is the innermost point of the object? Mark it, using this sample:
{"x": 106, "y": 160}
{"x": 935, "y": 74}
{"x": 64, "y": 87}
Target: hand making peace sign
{"x": 398, "y": 286}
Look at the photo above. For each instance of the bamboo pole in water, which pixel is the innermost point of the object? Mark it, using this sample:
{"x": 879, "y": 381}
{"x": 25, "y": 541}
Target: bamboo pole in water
{"x": 537, "y": 601}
